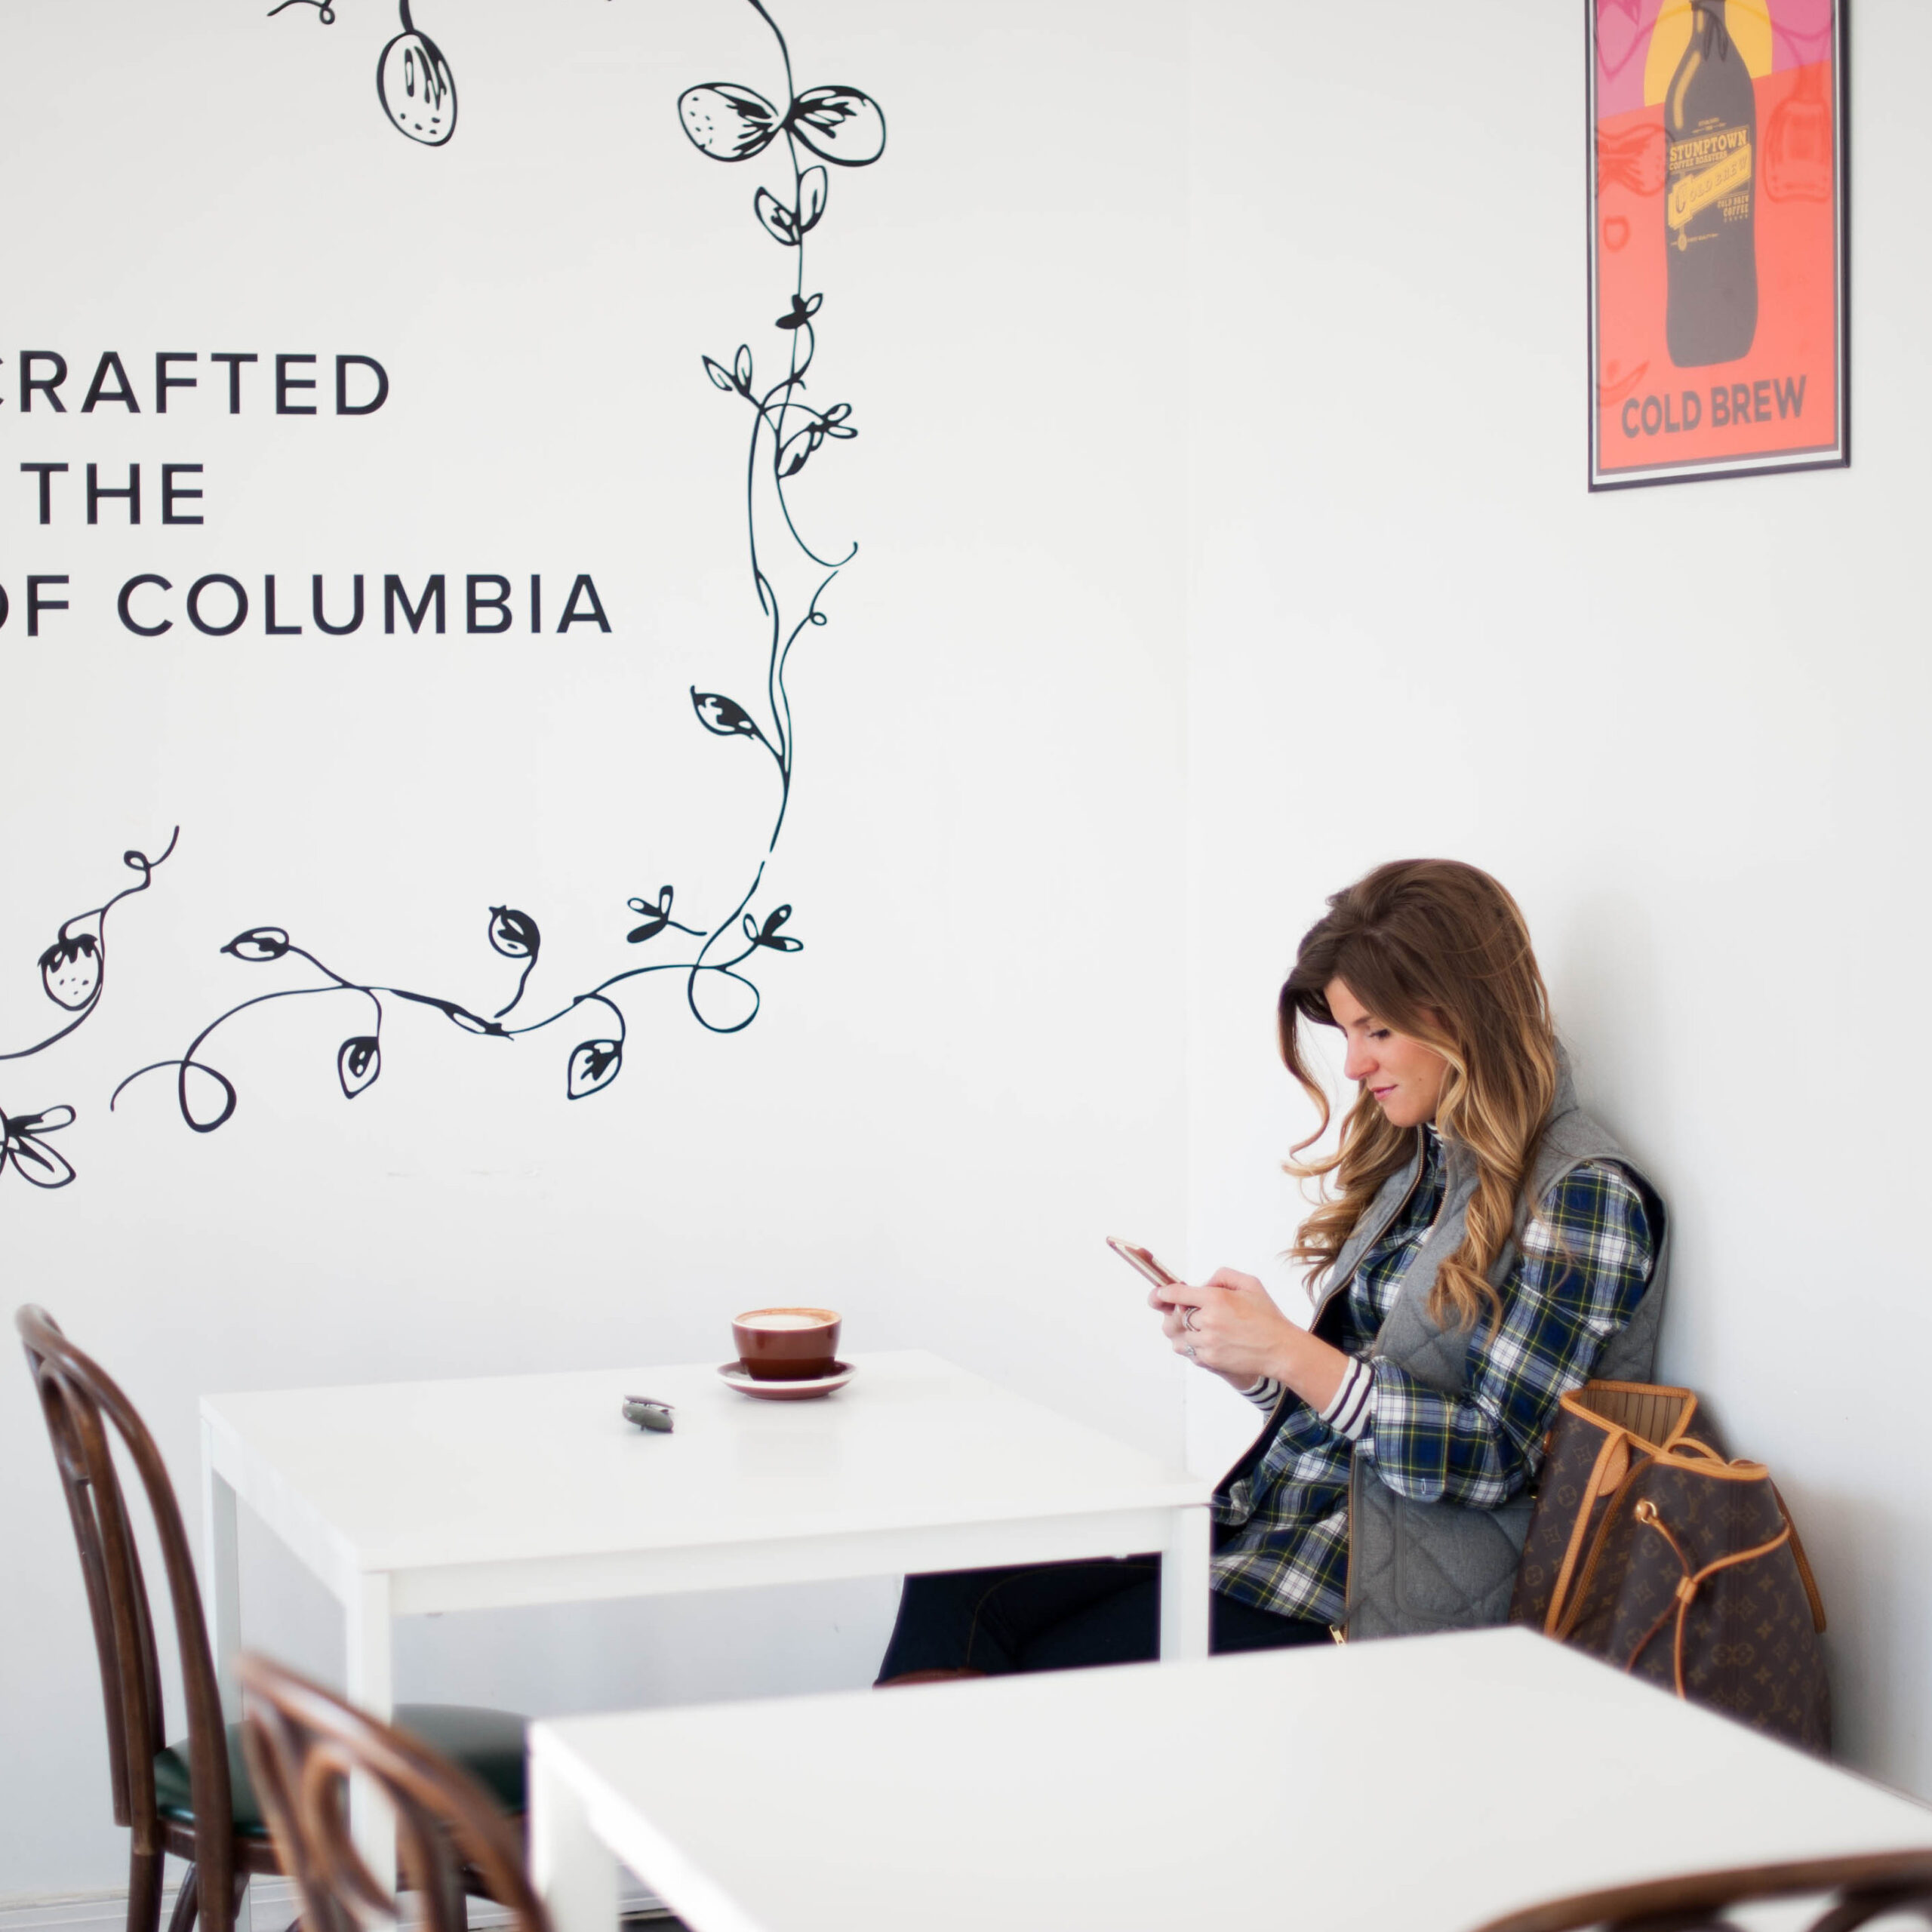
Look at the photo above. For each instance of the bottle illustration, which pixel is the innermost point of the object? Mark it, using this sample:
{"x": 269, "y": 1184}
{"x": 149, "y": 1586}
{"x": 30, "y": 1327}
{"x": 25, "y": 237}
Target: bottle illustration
{"x": 1710, "y": 121}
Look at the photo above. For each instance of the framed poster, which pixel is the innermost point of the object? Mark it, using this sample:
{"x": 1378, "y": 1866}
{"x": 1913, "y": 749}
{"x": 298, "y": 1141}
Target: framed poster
{"x": 1718, "y": 244}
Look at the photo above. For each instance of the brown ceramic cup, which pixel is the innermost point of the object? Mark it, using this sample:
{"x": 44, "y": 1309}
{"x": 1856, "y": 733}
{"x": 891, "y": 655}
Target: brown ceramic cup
{"x": 786, "y": 1344}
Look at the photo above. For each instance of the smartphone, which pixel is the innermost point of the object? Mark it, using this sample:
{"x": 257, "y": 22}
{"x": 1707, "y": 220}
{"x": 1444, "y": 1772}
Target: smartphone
{"x": 1141, "y": 1261}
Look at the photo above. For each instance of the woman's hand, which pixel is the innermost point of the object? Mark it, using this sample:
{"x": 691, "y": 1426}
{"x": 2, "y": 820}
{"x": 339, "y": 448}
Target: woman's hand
{"x": 1231, "y": 1326}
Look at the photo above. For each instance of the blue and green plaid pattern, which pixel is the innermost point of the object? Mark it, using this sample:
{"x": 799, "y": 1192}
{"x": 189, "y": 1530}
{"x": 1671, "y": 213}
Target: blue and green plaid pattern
{"x": 1586, "y": 1258}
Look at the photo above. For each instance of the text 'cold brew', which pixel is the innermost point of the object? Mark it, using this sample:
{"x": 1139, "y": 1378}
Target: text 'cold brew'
{"x": 1710, "y": 127}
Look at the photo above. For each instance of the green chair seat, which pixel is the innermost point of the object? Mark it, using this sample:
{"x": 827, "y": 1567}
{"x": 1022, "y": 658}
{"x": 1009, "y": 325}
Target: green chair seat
{"x": 487, "y": 1744}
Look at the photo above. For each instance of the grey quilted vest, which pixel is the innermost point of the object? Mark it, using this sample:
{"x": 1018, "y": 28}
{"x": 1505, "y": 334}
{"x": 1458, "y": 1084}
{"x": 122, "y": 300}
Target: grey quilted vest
{"x": 1415, "y": 1567}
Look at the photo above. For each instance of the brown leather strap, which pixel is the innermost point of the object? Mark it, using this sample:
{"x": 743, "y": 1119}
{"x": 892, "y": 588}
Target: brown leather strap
{"x": 1803, "y": 1565}
{"x": 1612, "y": 1440}
{"x": 1594, "y": 1401}
{"x": 1692, "y": 1581}
{"x": 1638, "y": 1464}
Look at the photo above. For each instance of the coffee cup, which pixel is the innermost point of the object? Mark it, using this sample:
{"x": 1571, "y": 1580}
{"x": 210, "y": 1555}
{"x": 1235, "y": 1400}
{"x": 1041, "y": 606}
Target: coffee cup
{"x": 786, "y": 1344}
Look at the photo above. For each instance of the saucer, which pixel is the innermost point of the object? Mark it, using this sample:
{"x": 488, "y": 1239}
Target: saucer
{"x": 735, "y": 1374}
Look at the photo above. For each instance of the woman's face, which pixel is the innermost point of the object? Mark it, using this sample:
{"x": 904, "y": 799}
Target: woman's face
{"x": 1404, "y": 1076}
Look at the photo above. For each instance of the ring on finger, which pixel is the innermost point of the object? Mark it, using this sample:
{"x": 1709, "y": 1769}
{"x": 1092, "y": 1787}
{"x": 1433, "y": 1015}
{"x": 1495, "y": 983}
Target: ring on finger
{"x": 1187, "y": 1321}
{"x": 1188, "y": 1352}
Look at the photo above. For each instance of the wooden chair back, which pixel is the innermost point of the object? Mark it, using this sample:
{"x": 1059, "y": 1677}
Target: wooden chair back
{"x": 303, "y": 1743}
{"x": 1845, "y": 1893}
{"x": 84, "y": 1409}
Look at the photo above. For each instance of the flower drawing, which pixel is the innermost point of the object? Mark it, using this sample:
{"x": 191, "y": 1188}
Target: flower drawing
{"x": 714, "y": 957}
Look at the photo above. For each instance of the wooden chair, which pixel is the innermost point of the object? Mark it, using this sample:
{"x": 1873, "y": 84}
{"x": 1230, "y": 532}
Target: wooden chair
{"x": 193, "y": 1797}
{"x": 303, "y": 1743}
{"x": 1847, "y": 1893}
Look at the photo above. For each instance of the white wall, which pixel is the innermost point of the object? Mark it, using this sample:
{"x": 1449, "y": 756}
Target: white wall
{"x": 974, "y": 1069}
{"x": 1684, "y": 725}
{"x": 1407, "y": 628}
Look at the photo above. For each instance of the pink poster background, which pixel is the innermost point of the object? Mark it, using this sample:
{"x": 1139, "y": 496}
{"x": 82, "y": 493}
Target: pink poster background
{"x": 1801, "y": 34}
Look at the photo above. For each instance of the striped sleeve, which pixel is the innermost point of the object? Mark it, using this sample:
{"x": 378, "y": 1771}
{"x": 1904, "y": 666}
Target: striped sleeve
{"x": 1352, "y": 1408}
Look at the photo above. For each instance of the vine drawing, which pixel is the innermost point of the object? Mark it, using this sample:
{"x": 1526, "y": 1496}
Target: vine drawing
{"x": 413, "y": 80}
{"x": 834, "y": 125}
{"x": 73, "y": 975}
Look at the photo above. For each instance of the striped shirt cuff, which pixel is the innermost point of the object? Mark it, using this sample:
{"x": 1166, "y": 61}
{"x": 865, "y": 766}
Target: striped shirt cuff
{"x": 1353, "y": 1407}
{"x": 1350, "y": 1412}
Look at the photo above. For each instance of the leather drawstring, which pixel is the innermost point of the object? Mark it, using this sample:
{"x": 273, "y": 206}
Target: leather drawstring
{"x": 1690, "y": 1582}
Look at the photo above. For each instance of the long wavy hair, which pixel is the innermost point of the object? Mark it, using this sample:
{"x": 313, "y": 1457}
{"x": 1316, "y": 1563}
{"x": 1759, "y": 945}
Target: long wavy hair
{"x": 1439, "y": 951}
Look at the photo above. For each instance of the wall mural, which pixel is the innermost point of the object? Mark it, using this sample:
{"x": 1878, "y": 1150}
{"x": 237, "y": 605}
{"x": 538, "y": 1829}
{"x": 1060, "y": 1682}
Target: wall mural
{"x": 73, "y": 975}
{"x": 413, "y": 80}
{"x": 834, "y": 125}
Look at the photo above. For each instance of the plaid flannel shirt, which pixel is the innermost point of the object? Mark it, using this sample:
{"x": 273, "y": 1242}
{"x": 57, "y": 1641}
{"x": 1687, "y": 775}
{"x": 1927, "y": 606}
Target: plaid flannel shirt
{"x": 1585, "y": 1259}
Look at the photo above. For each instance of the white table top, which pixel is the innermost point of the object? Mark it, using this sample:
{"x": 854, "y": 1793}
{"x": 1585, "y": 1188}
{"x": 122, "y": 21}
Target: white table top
{"x": 402, "y": 1477}
{"x": 1419, "y": 1785}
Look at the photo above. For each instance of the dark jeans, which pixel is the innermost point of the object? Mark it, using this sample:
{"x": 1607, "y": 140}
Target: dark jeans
{"x": 1061, "y": 1616}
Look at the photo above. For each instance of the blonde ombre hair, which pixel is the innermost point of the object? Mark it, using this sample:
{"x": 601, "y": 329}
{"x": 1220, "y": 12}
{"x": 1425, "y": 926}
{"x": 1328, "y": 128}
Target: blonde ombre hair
{"x": 1439, "y": 951}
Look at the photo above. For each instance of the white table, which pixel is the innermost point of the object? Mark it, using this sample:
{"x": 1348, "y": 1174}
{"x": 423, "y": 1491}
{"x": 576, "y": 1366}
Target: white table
{"x": 407, "y": 1497}
{"x": 1409, "y": 1785}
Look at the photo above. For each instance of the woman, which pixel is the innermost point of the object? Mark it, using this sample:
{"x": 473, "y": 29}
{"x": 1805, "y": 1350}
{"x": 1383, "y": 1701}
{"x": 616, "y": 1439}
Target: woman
{"x": 1482, "y": 1246}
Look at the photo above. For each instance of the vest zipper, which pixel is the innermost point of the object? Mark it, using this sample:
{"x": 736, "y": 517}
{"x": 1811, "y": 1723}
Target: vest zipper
{"x": 1388, "y": 1220}
{"x": 1340, "y": 1632}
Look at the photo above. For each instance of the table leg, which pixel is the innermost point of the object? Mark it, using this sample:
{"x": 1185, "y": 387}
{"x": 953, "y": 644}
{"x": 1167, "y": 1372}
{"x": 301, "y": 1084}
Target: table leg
{"x": 574, "y": 1872}
{"x": 371, "y": 1686}
{"x": 1184, "y": 1584}
{"x": 221, "y": 1574}
{"x": 221, "y": 1586}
